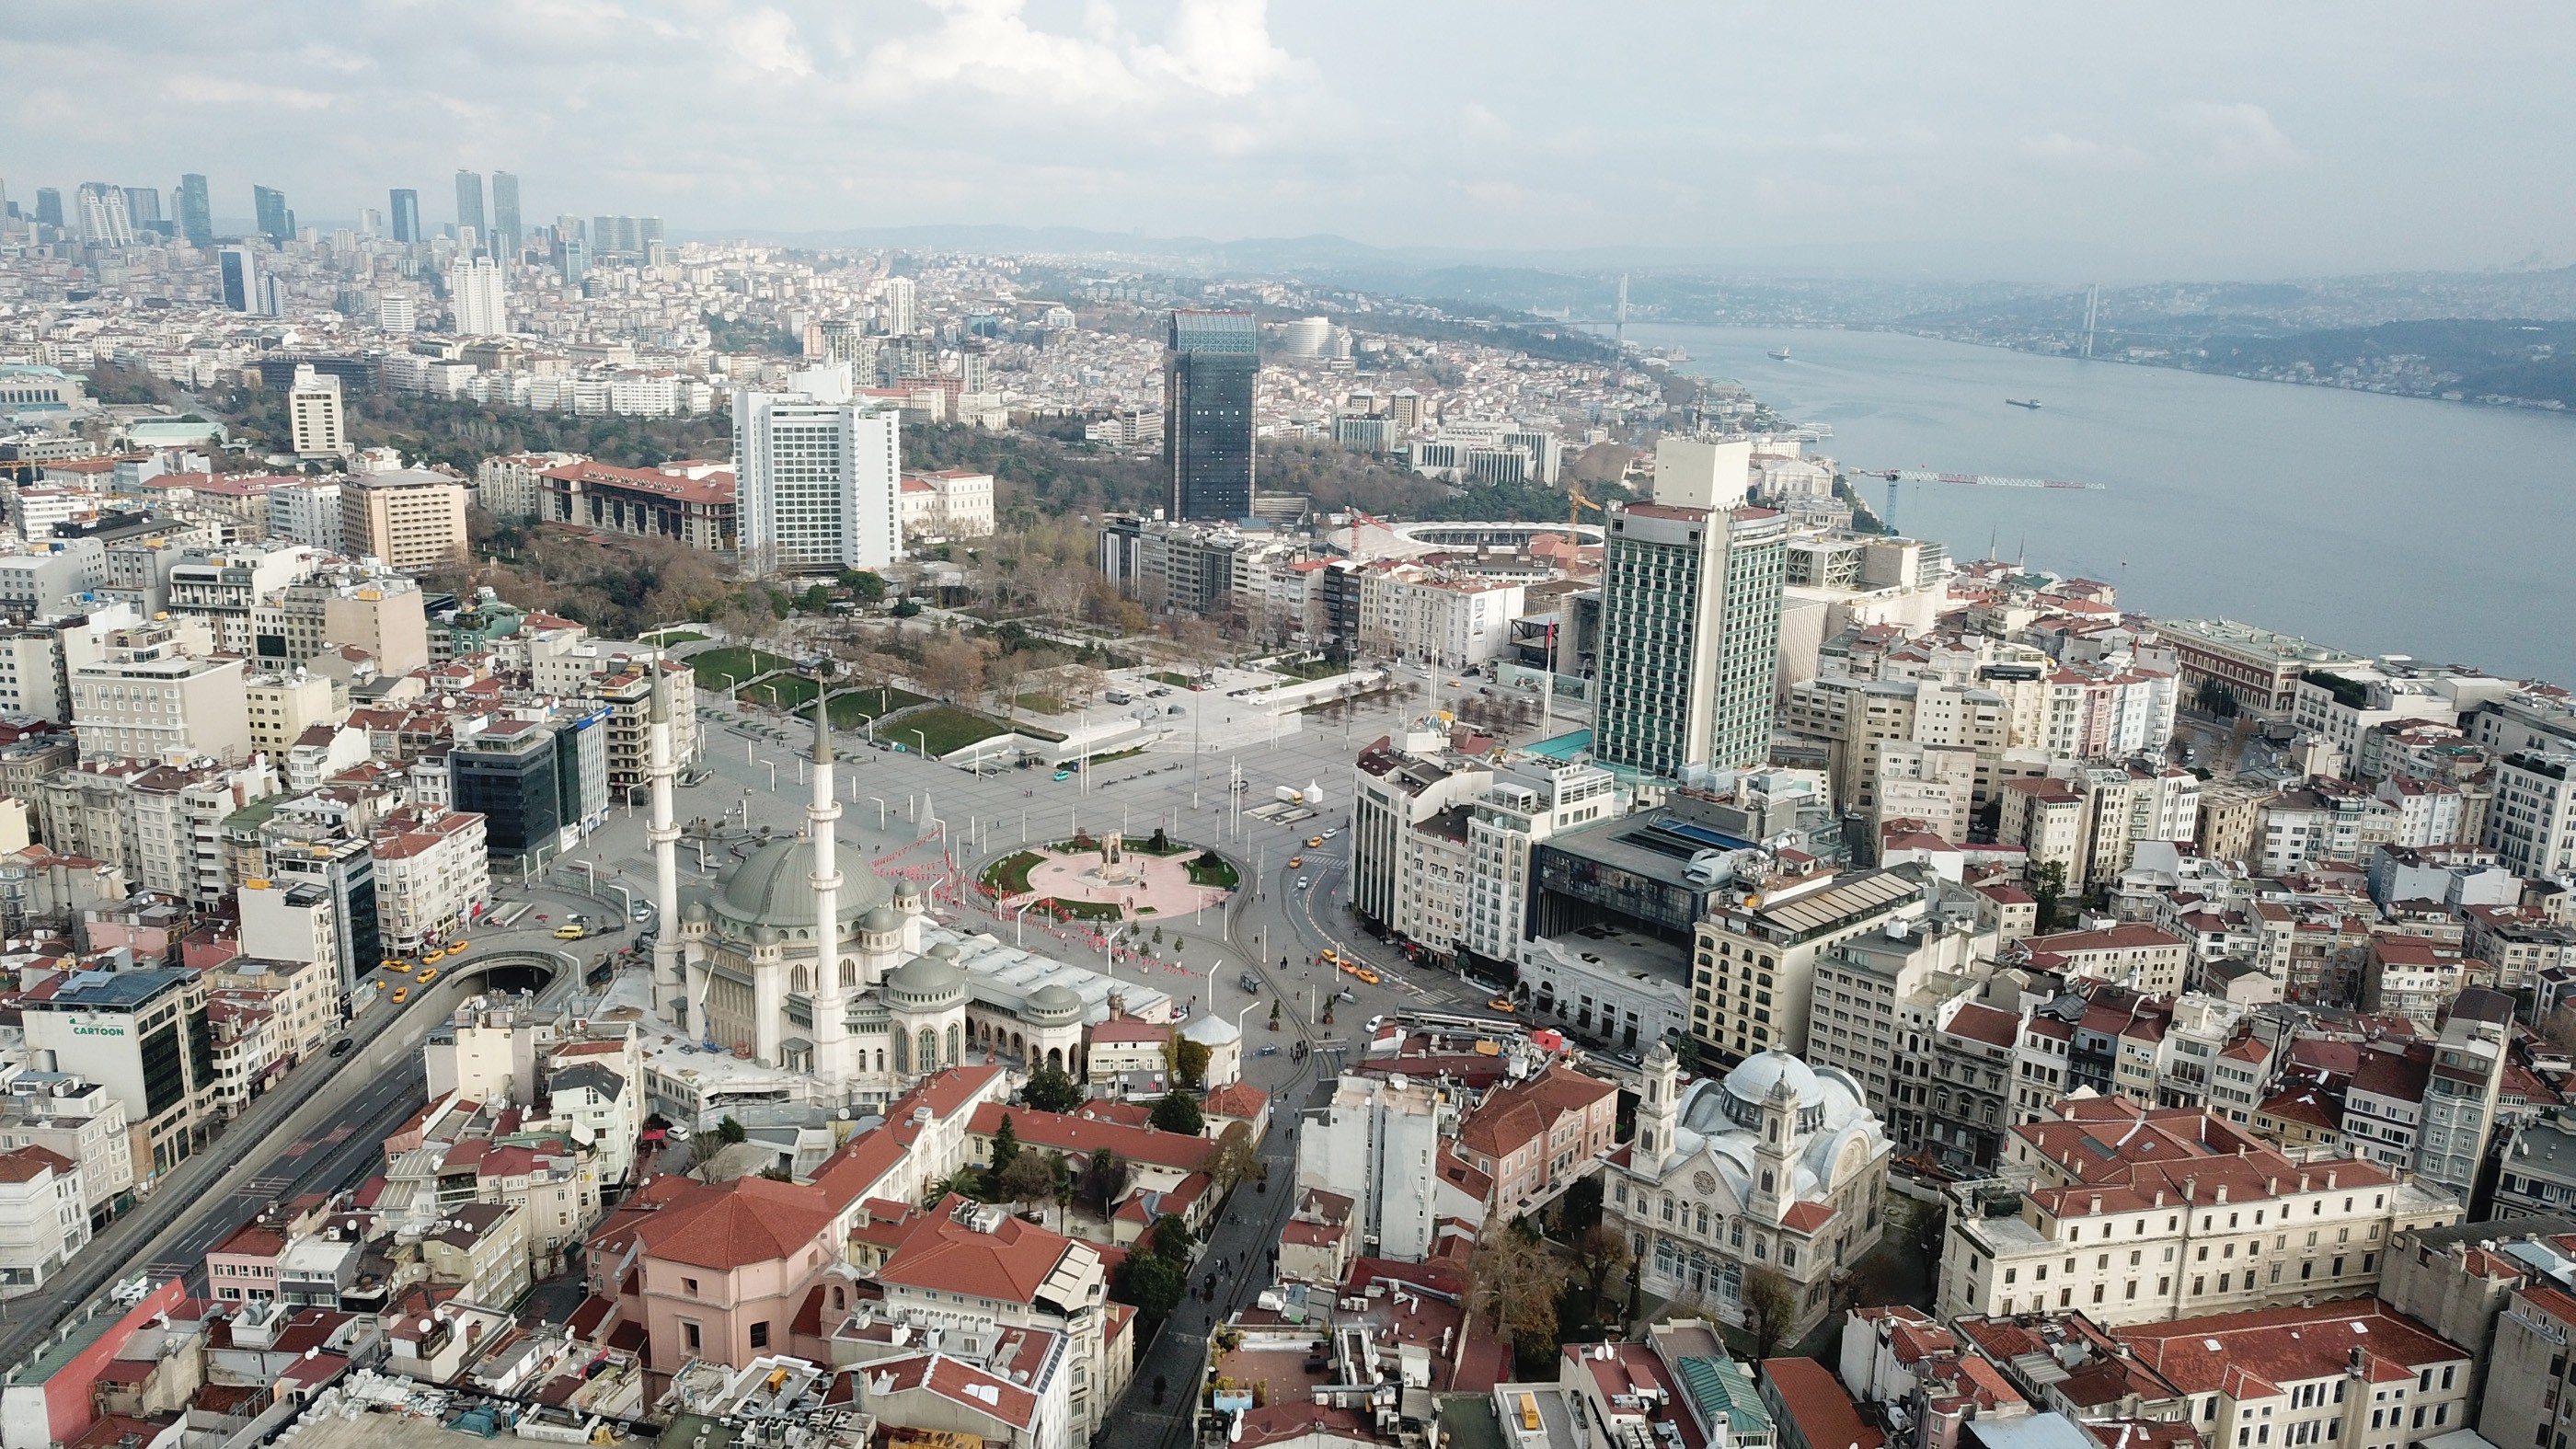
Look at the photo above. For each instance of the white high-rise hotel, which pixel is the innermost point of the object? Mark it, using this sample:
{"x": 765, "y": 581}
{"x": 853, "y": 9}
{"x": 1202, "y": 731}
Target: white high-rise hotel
{"x": 820, "y": 477}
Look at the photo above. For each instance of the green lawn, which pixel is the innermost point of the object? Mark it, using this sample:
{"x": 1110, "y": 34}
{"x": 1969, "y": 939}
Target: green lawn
{"x": 1128, "y": 754}
{"x": 1312, "y": 669}
{"x": 941, "y": 729}
{"x": 1009, "y": 876}
{"x": 1165, "y": 676}
{"x": 1038, "y": 703}
{"x": 854, "y": 707}
{"x": 714, "y": 665}
{"x": 1214, "y": 871}
{"x": 787, "y": 691}
{"x": 670, "y": 638}
{"x": 1087, "y": 910}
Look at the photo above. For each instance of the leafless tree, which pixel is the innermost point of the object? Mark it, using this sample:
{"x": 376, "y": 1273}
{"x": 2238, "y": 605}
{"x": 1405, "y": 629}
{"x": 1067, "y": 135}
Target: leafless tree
{"x": 1512, "y": 1282}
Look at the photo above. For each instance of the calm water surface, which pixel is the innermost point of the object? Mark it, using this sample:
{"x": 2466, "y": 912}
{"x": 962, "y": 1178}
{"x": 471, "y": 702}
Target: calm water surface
{"x": 2379, "y": 524}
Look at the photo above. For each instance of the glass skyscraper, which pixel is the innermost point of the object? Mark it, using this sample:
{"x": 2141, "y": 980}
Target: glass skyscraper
{"x": 196, "y": 211}
{"x": 1208, "y": 370}
{"x": 469, "y": 207}
{"x": 406, "y": 204}
{"x": 505, "y": 215}
{"x": 275, "y": 222}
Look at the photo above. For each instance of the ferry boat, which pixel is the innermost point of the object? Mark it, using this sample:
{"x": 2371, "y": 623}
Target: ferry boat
{"x": 1780, "y": 356}
{"x": 2018, "y": 402}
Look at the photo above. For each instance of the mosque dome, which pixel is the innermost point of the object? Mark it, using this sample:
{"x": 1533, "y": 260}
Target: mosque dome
{"x": 925, "y": 983}
{"x": 883, "y": 921}
{"x": 1054, "y": 1005}
{"x": 774, "y": 888}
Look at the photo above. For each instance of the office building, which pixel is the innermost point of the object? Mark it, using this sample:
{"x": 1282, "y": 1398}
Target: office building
{"x": 818, "y": 478}
{"x": 196, "y": 211}
{"x": 411, "y": 518}
{"x": 396, "y": 315}
{"x": 49, "y": 207}
{"x": 244, "y": 290}
{"x": 275, "y": 222}
{"x": 103, "y": 218}
{"x": 406, "y": 214}
{"x": 1209, "y": 364}
{"x": 143, "y": 208}
{"x": 508, "y": 775}
{"x": 1690, "y": 636}
{"x": 305, "y": 870}
{"x": 506, "y": 235}
{"x": 471, "y": 231}
{"x": 314, "y": 422}
{"x": 143, "y": 1036}
{"x": 475, "y": 292}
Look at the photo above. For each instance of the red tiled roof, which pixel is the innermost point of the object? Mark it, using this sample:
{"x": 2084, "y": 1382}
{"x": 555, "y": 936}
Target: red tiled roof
{"x": 1009, "y": 1263}
{"x": 1824, "y": 1414}
{"x": 2286, "y": 1345}
{"x": 749, "y": 1220}
{"x": 1085, "y": 1136}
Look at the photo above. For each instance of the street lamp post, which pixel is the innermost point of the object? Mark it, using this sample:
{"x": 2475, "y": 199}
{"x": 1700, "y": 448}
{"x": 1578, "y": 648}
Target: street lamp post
{"x": 773, "y": 775}
{"x": 881, "y": 812}
{"x": 1020, "y": 917}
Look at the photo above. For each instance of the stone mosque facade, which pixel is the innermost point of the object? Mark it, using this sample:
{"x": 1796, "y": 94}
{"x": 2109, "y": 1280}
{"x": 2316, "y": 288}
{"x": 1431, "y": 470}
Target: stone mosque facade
{"x": 783, "y": 960}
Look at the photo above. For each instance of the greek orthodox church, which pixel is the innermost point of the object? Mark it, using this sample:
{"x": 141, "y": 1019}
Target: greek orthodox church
{"x": 785, "y": 961}
{"x": 1778, "y": 1166}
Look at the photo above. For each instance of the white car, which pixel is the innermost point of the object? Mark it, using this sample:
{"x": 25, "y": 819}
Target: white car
{"x": 1329, "y": 834}
{"x": 1301, "y": 882}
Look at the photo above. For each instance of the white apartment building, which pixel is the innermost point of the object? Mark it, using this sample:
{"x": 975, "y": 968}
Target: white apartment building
{"x": 432, "y": 878}
{"x": 154, "y": 697}
{"x": 44, "y": 1219}
{"x": 1528, "y": 801}
{"x": 295, "y": 923}
{"x": 74, "y": 1119}
{"x": 178, "y": 824}
{"x": 2532, "y": 826}
{"x": 2185, "y": 1214}
{"x": 315, "y": 426}
{"x": 1431, "y": 893}
{"x": 1878, "y": 999}
{"x": 1379, "y": 1143}
{"x": 1753, "y": 969}
{"x": 818, "y": 477}
{"x": 512, "y": 487}
{"x": 478, "y": 297}
{"x": 306, "y": 512}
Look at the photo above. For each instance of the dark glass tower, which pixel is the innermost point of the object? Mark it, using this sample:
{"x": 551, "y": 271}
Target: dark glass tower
{"x": 196, "y": 211}
{"x": 406, "y": 214}
{"x": 505, "y": 215}
{"x": 1208, "y": 369}
{"x": 275, "y": 222}
{"x": 469, "y": 207}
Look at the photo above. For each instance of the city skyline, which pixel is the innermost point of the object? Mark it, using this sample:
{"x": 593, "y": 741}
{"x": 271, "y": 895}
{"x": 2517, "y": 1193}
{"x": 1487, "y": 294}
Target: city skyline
{"x": 2036, "y": 143}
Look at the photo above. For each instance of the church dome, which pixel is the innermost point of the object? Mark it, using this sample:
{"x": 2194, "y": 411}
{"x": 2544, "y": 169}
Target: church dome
{"x": 1753, "y": 1083}
{"x": 925, "y": 983}
{"x": 1053, "y": 1005}
{"x": 774, "y": 887}
{"x": 883, "y": 921}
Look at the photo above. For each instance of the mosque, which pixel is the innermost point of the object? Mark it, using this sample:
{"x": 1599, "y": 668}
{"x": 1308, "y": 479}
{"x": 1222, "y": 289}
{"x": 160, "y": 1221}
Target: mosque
{"x": 783, "y": 961}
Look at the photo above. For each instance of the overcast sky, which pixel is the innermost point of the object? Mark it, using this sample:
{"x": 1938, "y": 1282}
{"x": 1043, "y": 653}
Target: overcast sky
{"x": 2181, "y": 139}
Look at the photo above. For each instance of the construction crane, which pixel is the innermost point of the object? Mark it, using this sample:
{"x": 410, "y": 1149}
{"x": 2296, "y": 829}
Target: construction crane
{"x": 1575, "y": 503}
{"x": 1895, "y": 476}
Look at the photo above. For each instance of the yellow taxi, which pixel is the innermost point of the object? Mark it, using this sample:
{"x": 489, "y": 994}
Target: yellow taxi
{"x": 401, "y": 995}
{"x": 569, "y": 933}
{"x": 1314, "y": 842}
{"x": 1366, "y": 976}
{"x": 399, "y": 968}
{"x": 427, "y": 977}
{"x": 1502, "y": 1004}
{"x": 1295, "y": 861}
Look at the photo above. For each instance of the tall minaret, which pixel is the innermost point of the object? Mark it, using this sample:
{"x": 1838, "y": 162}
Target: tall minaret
{"x": 821, "y": 816}
{"x": 669, "y": 990}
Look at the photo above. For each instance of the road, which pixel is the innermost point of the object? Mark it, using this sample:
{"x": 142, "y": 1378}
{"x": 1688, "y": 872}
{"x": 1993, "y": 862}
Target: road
{"x": 322, "y": 1124}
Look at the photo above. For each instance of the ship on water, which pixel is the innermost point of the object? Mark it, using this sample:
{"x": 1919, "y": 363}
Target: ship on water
{"x": 2031, "y": 403}
{"x": 1780, "y": 356}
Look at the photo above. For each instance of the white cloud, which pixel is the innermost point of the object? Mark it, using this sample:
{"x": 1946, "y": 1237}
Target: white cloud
{"x": 764, "y": 43}
{"x": 2236, "y": 137}
{"x": 1214, "y": 48}
{"x": 2056, "y": 148}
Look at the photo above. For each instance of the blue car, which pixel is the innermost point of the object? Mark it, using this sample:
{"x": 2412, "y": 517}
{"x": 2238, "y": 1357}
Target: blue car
{"x": 1064, "y": 774}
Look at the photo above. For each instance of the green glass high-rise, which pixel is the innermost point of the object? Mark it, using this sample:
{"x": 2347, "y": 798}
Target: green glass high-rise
{"x": 1209, "y": 365}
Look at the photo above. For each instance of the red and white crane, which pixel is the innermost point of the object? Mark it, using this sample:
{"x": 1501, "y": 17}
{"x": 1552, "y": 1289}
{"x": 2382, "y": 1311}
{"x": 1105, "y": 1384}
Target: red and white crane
{"x": 1895, "y": 476}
